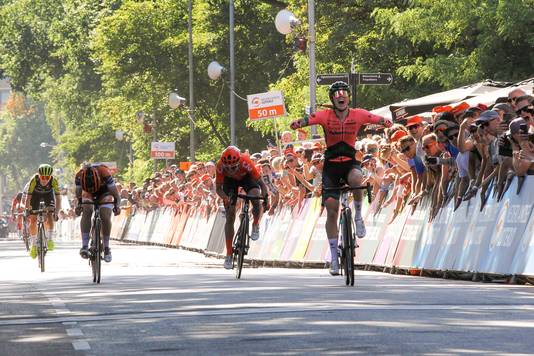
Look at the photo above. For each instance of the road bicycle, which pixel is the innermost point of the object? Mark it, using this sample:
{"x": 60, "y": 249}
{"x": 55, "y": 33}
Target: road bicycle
{"x": 347, "y": 243}
{"x": 242, "y": 237}
{"x": 96, "y": 249}
{"x": 41, "y": 234}
{"x": 23, "y": 234}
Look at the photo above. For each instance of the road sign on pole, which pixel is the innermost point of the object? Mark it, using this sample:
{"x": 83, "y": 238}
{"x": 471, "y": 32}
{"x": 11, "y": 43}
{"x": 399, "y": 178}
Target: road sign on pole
{"x": 329, "y": 79}
{"x": 266, "y": 105}
{"x": 375, "y": 78}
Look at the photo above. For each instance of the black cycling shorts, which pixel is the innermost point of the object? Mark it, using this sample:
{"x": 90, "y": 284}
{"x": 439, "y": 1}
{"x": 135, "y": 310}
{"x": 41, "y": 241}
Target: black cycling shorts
{"x": 333, "y": 175}
{"x": 231, "y": 186}
{"x": 48, "y": 198}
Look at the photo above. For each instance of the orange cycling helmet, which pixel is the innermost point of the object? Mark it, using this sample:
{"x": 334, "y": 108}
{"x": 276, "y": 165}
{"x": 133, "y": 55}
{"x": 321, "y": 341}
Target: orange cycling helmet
{"x": 90, "y": 179}
{"x": 231, "y": 156}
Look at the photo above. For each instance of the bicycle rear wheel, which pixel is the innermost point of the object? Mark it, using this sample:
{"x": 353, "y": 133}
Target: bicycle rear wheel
{"x": 348, "y": 247}
{"x": 240, "y": 246}
{"x": 97, "y": 258}
{"x": 25, "y": 237}
{"x": 41, "y": 248}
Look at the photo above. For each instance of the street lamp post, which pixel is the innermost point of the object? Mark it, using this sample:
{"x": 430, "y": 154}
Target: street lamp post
{"x": 191, "y": 96}
{"x": 232, "y": 75}
{"x": 285, "y": 21}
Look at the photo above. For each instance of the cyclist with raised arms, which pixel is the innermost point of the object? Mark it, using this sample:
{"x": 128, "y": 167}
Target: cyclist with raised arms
{"x": 235, "y": 170}
{"x": 42, "y": 187}
{"x": 94, "y": 182}
{"x": 341, "y": 125}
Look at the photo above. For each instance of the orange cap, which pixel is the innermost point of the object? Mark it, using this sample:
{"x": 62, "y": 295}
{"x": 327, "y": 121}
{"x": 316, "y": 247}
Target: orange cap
{"x": 397, "y": 135}
{"x": 460, "y": 107}
{"x": 414, "y": 120}
{"x": 438, "y": 109}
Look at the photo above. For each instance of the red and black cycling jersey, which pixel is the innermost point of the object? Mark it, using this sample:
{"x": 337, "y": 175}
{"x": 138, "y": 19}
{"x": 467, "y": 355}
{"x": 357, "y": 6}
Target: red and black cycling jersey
{"x": 246, "y": 168}
{"x": 340, "y": 135}
{"x": 104, "y": 175}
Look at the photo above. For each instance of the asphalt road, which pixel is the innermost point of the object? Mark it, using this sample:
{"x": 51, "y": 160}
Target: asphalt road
{"x": 167, "y": 302}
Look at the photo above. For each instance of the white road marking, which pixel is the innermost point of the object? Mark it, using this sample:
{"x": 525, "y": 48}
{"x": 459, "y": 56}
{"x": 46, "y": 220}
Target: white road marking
{"x": 62, "y": 311}
{"x": 69, "y": 323}
{"x": 81, "y": 345}
{"x": 75, "y": 332}
{"x": 269, "y": 310}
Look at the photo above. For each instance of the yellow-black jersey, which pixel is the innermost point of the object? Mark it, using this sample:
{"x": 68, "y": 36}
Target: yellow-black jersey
{"x": 34, "y": 186}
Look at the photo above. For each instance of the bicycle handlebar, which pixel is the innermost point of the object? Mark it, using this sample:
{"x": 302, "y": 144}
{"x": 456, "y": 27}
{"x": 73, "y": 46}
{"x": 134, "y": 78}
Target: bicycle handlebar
{"x": 43, "y": 211}
{"x": 346, "y": 188}
{"x": 249, "y": 197}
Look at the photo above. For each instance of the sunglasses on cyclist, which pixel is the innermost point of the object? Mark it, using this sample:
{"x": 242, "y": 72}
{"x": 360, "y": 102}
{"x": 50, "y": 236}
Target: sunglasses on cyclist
{"x": 44, "y": 177}
{"x": 340, "y": 93}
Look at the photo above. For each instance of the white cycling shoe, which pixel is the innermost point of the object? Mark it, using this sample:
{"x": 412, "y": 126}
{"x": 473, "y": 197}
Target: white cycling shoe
{"x": 229, "y": 262}
{"x": 360, "y": 228}
{"x": 334, "y": 267}
{"x": 255, "y": 235}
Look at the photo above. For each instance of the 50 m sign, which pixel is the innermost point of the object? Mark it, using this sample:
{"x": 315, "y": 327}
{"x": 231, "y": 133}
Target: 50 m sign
{"x": 266, "y": 105}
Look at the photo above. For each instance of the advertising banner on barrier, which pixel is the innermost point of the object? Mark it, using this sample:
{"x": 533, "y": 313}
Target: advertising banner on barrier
{"x": 386, "y": 237}
{"x": 172, "y": 228}
{"x": 296, "y": 231}
{"x": 216, "y": 242}
{"x": 162, "y": 222}
{"x": 431, "y": 240}
{"x": 498, "y": 239}
{"x": 524, "y": 257}
{"x": 189, "y": 230}
{"x": 396, "y": 228}
{"x": 136, "y": 224}
{"x": 203, "y": 234}
{"x": 184, "y": 215}
{"x": 481, "y": 226}
{"x": 280, "y": 229}
{"x": 410, "y": 238}
{"x": 375, "y": 224}
{"x": 452, "y": 241}
{"x": 310, "y": 219}
{"x": 318, "y": 243}
{"x": 509, "y": 228}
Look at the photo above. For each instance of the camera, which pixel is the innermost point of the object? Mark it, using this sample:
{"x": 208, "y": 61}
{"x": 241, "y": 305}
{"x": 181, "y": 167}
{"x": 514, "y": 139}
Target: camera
{"x": 523, "y": 128}
{"x": 473, "y": 128}
{"x": 432, "y": 160}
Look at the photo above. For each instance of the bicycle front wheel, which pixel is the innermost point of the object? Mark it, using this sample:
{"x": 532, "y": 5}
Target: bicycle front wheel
{"x": 348, "y": 248}
{"x": 97, "y": 252}
{"x": 26, "y": 239}
{"x": 240, "y": 246}
{"x": 41, "y": 248}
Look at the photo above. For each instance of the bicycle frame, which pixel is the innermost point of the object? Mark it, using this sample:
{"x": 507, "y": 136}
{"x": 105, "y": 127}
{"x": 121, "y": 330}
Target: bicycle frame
{"x": 96, "y": 246}
{"x": 41, "y": 235}
{"x": 242, "y": 237}
{"x": 348, "y": 240}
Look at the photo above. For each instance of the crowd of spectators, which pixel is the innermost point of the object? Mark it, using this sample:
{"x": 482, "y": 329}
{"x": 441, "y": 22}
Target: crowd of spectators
{"x": 455, "y": 154}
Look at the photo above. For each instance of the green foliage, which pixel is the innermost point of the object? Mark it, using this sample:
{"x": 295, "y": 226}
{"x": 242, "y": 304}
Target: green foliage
{"x": 94, "y": 64}
{"x": 22, "y": 129}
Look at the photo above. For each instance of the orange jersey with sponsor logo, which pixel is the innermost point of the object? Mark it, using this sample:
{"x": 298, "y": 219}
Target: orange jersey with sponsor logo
{"x": 246, "y": 167}
{"x": 103, "y": 172}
